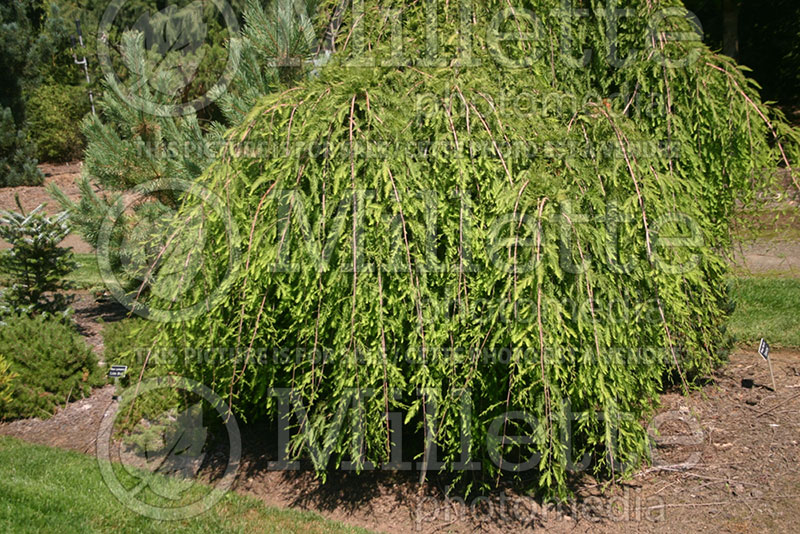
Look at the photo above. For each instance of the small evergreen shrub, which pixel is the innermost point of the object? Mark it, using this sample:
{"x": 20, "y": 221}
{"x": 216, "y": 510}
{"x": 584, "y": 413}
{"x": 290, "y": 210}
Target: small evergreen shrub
{"x": 36, "y": 264}
{"x": 52, "y": 362}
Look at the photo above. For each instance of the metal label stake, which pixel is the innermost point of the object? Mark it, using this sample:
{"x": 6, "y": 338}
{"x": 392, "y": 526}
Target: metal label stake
{"x": 763, "y": 350}
{"x": 116, "y": 372}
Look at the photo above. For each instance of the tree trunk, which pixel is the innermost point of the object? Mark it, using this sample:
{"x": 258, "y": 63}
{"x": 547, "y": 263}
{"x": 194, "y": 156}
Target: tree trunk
{"x": 730, "y": 28}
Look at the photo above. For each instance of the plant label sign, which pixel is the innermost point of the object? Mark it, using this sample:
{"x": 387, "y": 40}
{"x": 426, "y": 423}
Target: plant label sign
{"x": 763, "y": 349}
{"x": 117, "y": 371}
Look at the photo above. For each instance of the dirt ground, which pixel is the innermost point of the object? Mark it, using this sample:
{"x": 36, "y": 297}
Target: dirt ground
{"x": 727, "y": 458}
{"x": 91, "y": 314}
{"x": 726, "y": 461}
{"x": 771, "y": 257}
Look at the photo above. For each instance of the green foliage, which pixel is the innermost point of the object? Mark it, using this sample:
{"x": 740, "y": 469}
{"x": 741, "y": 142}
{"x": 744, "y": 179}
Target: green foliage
{"x": 16, "y": 37}
{"x": 54, "y": 112}
{"x": 53, "y": 363}
{"x": 276, "y": 46}
{"x": 53, "y": 50}
{"x": 422, "y": 243}
{"x": 7, "y": 378}
{"x": 86, "y": 274}
{"x": 17, "y": 159}
{"x": 36, "y": 264}
{"x": 184, "y": 43}
{"x": 56, "y": 94}
{"x": 122, "y": 341}
{"x": 127, "y": 147}
{"x": 17, "y": 163}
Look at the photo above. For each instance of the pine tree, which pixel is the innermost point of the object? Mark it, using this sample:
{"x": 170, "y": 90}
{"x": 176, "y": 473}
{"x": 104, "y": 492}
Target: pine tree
{"x": 127, "y": 147}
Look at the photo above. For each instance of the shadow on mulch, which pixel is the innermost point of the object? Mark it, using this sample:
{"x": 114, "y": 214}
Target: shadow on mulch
{"x": 92, "y": 310}
{"x": 343, "y": 491}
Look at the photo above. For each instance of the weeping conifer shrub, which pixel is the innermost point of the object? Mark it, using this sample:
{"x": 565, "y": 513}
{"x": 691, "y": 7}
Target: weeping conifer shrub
{"x": 519, "y": 283}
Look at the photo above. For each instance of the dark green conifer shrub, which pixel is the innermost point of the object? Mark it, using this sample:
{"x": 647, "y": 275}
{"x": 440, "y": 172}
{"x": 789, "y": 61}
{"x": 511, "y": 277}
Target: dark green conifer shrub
{"x": 17, "y": 157}
{"x": 36, "y": 265}
{"x": 52, "y": 363}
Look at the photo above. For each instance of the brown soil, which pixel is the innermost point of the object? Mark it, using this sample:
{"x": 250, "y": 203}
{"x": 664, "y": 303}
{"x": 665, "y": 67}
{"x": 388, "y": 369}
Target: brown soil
{"x": 726, "y": 461}
{"x": 74, "y": 427}
{"x": 769, "y": 257}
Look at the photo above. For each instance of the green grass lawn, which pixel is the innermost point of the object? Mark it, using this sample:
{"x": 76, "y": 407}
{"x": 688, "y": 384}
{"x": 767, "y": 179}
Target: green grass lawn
{"x": 768, "y": 308}
{"x": 46, "y": 490}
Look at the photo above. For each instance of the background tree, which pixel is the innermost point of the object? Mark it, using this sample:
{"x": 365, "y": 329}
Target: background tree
{"x": 127, "y": 146}
{"x": 58, "y": 99}
{"x": 761, "y": 35}
{"x": 17, "y": 153}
